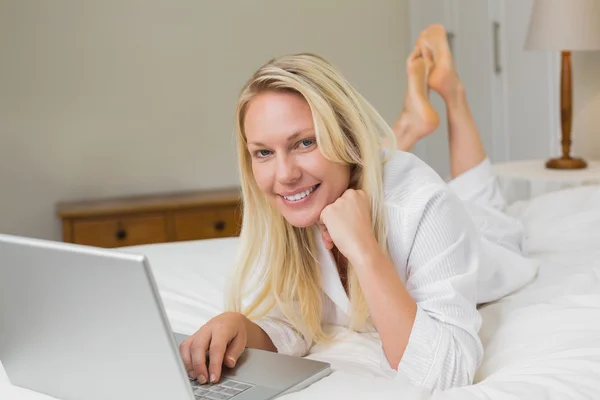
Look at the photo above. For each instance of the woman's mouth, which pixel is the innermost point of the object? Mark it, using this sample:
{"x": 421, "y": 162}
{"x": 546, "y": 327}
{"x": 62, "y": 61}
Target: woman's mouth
{"x": 300, "y": 197}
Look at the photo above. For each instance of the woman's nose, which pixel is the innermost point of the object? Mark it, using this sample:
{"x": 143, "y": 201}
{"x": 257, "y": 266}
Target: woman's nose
{"x": 287, "y": 170}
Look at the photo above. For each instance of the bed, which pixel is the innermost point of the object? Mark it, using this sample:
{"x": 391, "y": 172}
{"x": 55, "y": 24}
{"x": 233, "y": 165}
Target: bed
{"x": 542, "y": 342}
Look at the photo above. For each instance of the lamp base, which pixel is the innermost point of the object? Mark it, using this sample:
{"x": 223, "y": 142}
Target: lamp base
{"x": 566, "y": 163}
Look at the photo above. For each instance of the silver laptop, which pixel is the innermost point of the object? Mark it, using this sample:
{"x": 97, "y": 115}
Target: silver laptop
{"x": 83, "y": 323}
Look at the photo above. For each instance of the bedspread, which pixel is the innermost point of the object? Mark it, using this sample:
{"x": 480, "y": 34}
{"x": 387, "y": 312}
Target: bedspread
{"x": 542, "y": 342}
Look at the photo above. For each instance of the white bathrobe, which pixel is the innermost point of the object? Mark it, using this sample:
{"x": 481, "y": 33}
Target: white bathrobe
{"x": 453, "y": 248}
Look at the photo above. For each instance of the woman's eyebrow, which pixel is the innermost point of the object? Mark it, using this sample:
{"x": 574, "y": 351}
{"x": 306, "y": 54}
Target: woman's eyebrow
{"x": 290, "y": 138}
{"x": 294, "y": 137}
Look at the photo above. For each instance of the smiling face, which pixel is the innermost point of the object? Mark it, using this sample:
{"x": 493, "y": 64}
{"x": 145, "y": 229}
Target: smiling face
{"x": 286, "y": 162}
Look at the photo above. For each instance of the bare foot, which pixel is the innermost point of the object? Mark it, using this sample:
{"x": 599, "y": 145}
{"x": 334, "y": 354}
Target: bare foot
{"x": 418, "y": 117}
{"x": 433, "y": 42}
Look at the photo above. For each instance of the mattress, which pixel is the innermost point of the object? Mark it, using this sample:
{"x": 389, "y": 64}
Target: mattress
{"x": 542, "y": 342}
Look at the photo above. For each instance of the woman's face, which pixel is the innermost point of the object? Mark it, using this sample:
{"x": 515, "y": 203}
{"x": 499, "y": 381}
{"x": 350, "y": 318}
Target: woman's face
{"x": 286, "y": 163}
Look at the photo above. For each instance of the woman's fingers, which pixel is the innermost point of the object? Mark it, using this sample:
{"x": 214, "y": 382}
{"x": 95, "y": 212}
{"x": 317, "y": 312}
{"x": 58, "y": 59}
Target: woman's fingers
{"x": 223, "y": 338}
{"x": 326, "y": 237}
{"x": 184, "y": 351}
{"x": 328, "y": 241}
{"x": 234, "y": 350}
{"x": 216, "y": 354}
{"x": 198, "y": 349}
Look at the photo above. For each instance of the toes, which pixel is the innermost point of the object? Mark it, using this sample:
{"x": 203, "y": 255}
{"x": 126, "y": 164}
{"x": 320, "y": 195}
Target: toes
{"x": 434, "y": 38}
{"x": 428, "y": 59}
{"x": 426, "y": 46}
{"x": 421, "y": 42}
{"x": 416, "y": 53}
{"x": 427, "y": 54}
{"x": 431, "y": 33}
{"x": 414, "y": 60}
{"x": 437, "y": 29}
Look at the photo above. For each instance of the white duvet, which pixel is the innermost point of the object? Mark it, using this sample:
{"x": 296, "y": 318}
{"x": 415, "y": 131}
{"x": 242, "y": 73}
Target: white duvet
{"x": 542, "y": 342}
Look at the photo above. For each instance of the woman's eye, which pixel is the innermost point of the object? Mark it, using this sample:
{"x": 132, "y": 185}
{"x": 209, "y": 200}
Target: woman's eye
{"x": 263, "y": 153}
{"x": 307, "y": 143}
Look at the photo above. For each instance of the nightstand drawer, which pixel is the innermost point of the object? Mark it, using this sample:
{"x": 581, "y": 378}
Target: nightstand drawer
{"x": 206, "y": 223}
{"x": 152, "y": 218}
{"x": 120, "y": 231}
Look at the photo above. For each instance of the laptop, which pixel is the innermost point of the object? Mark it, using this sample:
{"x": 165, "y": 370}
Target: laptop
{"x": 84, "y": 323}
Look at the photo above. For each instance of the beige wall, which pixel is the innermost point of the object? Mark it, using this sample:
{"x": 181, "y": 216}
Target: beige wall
{"x": 586, "y": 104}
{"x": 118, "y": 97}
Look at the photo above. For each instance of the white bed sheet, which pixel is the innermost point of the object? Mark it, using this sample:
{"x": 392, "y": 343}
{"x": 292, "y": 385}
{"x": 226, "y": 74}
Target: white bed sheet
{"x": 542, "y": 342}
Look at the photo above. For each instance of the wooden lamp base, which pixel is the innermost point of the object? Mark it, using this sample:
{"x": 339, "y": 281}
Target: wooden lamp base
{"x": 566, "y": 116}
{"x": 566, "y": 163}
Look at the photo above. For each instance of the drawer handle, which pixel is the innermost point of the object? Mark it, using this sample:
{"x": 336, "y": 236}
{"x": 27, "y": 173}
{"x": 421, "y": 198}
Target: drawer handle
{"x": 220, "y": 225}
{"x": 121, "y": 234}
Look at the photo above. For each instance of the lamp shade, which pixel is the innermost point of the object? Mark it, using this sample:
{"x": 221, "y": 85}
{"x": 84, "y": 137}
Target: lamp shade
{"x": 564, "y": 25}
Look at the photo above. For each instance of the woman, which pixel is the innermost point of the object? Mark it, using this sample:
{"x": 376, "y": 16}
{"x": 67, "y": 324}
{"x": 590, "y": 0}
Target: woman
{"x": 338, "y": 230}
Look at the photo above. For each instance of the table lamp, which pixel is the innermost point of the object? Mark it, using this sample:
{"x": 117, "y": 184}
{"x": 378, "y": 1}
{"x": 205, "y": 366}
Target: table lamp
{"x": 565, "y": 26}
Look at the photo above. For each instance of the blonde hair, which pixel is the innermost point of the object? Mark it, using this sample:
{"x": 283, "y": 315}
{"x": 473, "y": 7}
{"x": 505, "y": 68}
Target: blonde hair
{"x": 275, "y": 256}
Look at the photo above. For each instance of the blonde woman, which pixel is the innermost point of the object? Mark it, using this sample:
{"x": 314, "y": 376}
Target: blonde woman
{"x": 338, "y": 230}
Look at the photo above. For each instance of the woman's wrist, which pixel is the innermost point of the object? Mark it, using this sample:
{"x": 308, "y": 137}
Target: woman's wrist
{"x": 257, "y": 338}
{"x": 367, "y": 255}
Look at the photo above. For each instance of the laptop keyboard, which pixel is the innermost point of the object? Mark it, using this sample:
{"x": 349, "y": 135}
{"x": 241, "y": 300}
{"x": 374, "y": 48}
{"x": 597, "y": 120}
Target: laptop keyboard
{"x": 225, "y": 389}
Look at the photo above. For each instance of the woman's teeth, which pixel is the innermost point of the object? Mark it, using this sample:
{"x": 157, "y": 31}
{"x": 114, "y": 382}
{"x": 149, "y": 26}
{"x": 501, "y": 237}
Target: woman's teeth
{"x": 300, "y": 196}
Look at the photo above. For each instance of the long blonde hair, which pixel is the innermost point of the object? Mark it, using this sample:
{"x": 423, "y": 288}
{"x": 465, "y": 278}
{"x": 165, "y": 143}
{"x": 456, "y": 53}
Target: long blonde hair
{"x": 277, "y": 262}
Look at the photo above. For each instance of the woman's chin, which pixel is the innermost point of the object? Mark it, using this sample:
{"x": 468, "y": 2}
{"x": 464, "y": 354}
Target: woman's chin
{"x": 301, "y": 220}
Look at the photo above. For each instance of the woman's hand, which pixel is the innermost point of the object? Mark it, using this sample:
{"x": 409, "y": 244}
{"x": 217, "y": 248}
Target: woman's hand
{"x": 346, "y": 223}
{"x": 223, "y": 337}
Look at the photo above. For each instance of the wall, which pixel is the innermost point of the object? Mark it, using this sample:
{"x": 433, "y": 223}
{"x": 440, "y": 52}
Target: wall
{"x": 586, "y": 104}
{"x": 120, "y": 97}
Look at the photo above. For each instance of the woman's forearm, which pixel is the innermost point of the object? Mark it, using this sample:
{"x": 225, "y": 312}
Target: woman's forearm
{"x": 392, "y": 308}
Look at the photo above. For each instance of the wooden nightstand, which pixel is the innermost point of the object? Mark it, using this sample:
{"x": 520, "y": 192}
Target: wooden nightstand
{"x": 152, "y": 219}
